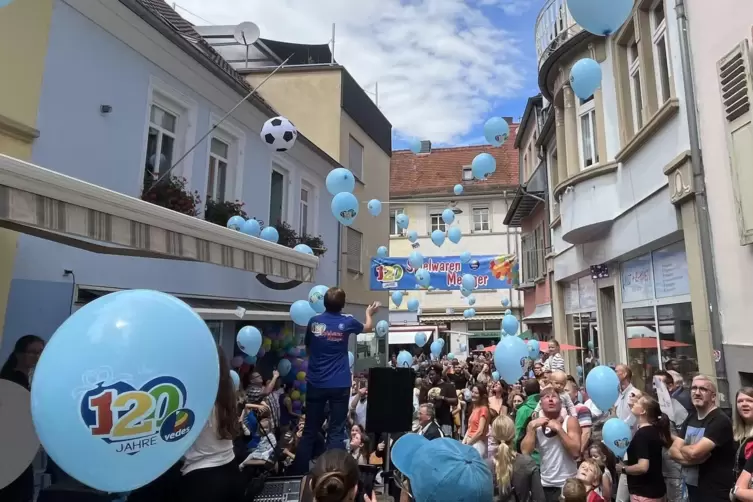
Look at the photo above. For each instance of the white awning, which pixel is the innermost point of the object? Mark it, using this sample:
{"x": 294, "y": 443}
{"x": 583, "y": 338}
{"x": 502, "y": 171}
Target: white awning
{"x": 248, "y": 315}
{"x": 408, "y": 337}
{"x": 459, "y": 317}
{"x": 53, "y": 206}
{"x": 542, "y": 314}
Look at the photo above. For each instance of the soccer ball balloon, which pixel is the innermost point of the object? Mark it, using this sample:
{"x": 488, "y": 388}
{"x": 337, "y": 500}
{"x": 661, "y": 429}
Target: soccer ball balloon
{"x": 279, "y": 134}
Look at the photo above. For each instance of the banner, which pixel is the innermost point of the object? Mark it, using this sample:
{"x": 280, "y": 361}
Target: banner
{"x": 491, "y": 272}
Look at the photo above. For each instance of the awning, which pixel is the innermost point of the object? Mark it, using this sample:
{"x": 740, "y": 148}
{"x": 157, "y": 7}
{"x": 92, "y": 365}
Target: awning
{"x": 542, "y": 314}
{"x": 408, "y": 337}
{"x": 53, "y": 206}
{"x": 459, "y": 317}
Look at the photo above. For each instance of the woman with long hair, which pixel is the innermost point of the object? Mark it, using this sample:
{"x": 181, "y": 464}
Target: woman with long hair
{"x": 604, "y": 458}
{"x": 514, "y": 401}
{"x": 209, "y": 471}
{"x": 742, "y": 427}
{"x": 644, "y": 455}
{"x": 516, "y": 476}
{"x": 22, "y": 361}
{"x": 359, "y": 445}
{"x": 478, "y": 423}
{"x": 497, "y": 399}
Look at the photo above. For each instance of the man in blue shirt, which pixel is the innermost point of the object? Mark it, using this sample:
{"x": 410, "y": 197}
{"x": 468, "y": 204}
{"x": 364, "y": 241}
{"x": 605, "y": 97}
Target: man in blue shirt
{"x": 328, "y": 379}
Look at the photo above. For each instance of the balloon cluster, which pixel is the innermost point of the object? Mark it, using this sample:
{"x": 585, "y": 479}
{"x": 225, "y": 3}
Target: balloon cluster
{"x": 341, "y": 183}
{"x": 603, "y": 387}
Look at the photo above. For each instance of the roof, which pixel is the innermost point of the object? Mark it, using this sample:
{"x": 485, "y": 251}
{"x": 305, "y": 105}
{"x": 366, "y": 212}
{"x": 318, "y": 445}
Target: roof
{"x": 438, "y": 172}
{"x": 300, "y": 54}
{"x": 535, "y": 101}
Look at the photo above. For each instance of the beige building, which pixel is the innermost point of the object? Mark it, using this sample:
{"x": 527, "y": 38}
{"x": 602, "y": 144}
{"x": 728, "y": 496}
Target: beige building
{"x": 627, "y": 261}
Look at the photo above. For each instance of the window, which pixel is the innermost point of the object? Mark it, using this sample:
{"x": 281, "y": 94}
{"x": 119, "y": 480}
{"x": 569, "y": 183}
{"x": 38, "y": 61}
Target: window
{"x": 160, "y": 146}
{"x": 636, "y": 97}
{"x": 481, "y": 219}
{"x": 217, "y": 176}
{"x": 355, "y": 157}
{"x": 277, "y": 197}
{"x": 587, "y": 133}
{"x": 467, "y": 173}
{"x": 354, "y": 242}
{"x": 215, "y": 327}
{"x": 394, "y": 229}
{"x": 661, "y": 59}
{"x": 530, "y": 261}
{"x": 436, "y": 221}
{"x": 305, "y": 213}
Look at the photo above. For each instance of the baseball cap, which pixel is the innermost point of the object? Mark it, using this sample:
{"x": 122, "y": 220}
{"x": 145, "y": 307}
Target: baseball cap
{"x": 443, "y": 470}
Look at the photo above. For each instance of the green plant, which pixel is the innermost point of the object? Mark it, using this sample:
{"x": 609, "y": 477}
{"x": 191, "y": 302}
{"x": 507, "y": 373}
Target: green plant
{"x": 220, "y": 212}
{"x": 290, "y": 238}
{"x": 172, "y": 193}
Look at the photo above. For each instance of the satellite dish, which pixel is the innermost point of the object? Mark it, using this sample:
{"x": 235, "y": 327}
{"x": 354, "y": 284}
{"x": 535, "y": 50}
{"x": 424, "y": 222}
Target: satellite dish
{"x": 246, "y": 33}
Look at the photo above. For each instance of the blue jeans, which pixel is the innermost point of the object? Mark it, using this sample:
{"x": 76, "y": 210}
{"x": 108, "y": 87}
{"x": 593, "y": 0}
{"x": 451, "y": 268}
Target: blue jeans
{"x": 317, "y": 400}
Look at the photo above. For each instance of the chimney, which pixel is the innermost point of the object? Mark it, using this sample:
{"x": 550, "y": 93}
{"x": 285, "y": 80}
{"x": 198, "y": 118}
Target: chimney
{"x": 509, "y": 120}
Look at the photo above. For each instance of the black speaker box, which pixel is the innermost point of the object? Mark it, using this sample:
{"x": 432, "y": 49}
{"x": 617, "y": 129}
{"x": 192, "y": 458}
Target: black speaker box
{"x": 390, "y": 405}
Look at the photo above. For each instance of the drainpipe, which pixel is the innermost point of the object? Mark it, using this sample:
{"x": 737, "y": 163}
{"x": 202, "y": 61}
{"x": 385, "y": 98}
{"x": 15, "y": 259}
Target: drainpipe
{"x": 701, "y": 201}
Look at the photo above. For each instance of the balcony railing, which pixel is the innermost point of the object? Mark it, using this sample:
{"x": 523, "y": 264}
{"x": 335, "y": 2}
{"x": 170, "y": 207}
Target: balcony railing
{"x": 554, "y": 27}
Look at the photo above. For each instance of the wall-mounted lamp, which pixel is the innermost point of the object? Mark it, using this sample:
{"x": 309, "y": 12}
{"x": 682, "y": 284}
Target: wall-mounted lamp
{"x": 105, "y": 109}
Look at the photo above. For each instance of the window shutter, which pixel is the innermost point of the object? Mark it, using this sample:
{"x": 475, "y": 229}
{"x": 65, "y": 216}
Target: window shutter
{"x": 355, "y": 240}
{"x": 735, "y": 83}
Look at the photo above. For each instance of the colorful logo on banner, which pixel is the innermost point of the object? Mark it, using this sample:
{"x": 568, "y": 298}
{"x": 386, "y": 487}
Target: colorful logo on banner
{"x": 491, "y": 272}
{"x": 132, "y": 419}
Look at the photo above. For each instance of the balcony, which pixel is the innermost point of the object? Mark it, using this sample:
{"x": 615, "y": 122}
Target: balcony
{"x": 554, "y": 27}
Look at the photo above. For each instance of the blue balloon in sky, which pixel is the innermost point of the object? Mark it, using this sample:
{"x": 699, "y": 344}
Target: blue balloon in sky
{"x": 509, "y": 357}
{"x": 416, "y": 259}
{"x": 617, "y": 435}
{"x": 585, "y": 78}
{"x": 448, "y": 216}
{"x": 413, "y": 304}
{"x": 251, "y": 227}
{"x": 351, "y": 360}
{"x": 130, "y": 350}
{"x": 533, "y": 349}
{"x": 404, "y": 359}
{"x": 412, "y": 235}
{"x": 236, "y": 222}
{"x": 270, "y": 234}
{"x": 316, "y": 298}
{"x": 397, "y": 298}
{"x": 458, "y": 189}
{"x": 483, "y": 166}
{"x": 600, "y": 17}
{"x": 454, "y": 234}
{"x": 284, "y": 367}
{"x": 301, "y": 312}
{"x": 496, "y": 131}
{"x": 603, "y": 387}
{"x": 437, "y": 237}
{"x": 303, "y": 248}
{"x": 435, "y": 348}
{"x": 468, "y": 281}
{"x": 510, "y": 325}
{"x": 249, "y": 340}
{"x": 402, "y": 221}
{"x": 382, "y": 328}
{"x": 340, "y": 180}
{"x": 415, "y": 146}
{"x": 471, "y": 300}
{"x": 345, "y": 208}
{"x": 382, "y": 252}
{"x": 421, "y": 339}
{"x": 423, "y": 277}
{"x": 375, "y": 207}
{"x": 465, "y": 257}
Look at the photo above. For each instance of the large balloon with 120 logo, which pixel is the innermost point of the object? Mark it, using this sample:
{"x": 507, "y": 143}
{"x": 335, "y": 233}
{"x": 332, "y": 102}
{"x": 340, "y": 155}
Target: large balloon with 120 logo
{"x": 124, "y": 388}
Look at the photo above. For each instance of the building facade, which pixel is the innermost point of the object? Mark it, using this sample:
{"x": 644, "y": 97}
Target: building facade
{"x": 627, "y": 260}
{"x": 123, "y": 81}
{"x": 422, "y": 188}
{"x": 720, "y": 37}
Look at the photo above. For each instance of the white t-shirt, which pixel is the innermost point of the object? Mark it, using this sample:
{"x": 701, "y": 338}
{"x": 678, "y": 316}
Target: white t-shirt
{"x": 208, "y": 450}
{"x": 360, "y": 412}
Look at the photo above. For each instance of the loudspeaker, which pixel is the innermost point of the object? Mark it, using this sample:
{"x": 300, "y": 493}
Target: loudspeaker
{"x": 390, "y": 405}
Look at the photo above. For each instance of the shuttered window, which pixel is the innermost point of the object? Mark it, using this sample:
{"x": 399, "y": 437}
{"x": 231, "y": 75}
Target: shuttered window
{"x": 355, "y": 241}
{"x": 736, "y": 86}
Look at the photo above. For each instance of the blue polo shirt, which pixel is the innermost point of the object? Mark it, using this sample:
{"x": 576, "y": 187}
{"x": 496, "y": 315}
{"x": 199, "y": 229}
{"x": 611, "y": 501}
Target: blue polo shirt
{"x": 327, "y": 341}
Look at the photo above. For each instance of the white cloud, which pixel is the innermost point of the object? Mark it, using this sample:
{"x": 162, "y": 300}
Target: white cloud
{"x": 440, "y": 64}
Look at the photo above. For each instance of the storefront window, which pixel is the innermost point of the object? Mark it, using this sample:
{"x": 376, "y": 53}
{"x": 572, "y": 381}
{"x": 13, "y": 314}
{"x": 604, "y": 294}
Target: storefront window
{"x": 583, "y": 331}
{"x": 642, "y": 345}
{"x": 678, "y": 339}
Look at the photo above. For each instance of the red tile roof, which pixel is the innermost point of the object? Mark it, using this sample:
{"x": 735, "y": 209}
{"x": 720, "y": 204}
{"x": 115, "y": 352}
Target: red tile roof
{"x": 438, "y": 172}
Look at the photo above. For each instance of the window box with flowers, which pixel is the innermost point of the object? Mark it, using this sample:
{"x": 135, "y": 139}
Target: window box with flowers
{"x": 172, "y": 193}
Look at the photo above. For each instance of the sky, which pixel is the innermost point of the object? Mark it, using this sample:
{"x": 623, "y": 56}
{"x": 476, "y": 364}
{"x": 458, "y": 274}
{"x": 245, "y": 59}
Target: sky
{"x": 443, "y": 67}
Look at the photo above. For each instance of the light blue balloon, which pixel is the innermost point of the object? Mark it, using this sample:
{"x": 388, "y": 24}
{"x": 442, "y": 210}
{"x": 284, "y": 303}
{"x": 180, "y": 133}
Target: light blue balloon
{"x": 473, "y": 312}
{"x": 471, "y": 300}
{"x": 351, "y": 360}
{"x": 301, "y": 312}
{"x": 382, "y": 328}
{"x": 496, "y": 131}
{"x": 340, "y": 180}
{"x": 421, "y": 339}
{"x": 600, "y": 17}
{"x": 579, "y": 370}
{"x": 533, "y": 349}
{"x": 510, "y": 325}
{"x": 469, "y": 281}
{"x": 303, "y": 248}
{"x": 382, "y": 252}
{"x": 441, "y": 342}
{"x": 458, "y": 189}
{"x": 404, "y": 359}
{"x": 495, "y": 376}
{"x": 505, "y": 302}
{"x": 483, "y": 165}
{"x": 236, "y": 222}
{"x": 250, "y": 227}
{"x": 617, "y": 435}
{"x": 416, "y": 260}
{"x": 345, "y": 208}
{"x": 397, "y": 298}
{"x": 508, "y": 312}
{"x": 448, "y": 216}
{"x": 603, "y": 387}
{"x": 435, "y": 348}
{"x": 412, "y": 304}
{"x": 412, "y": 235}
{"x": 454, "y": 234}
{"x": 450, "y": 356}
{"x": 249, "y": 340}
{"x": 375, "y": 207}
{"x": 465, "y": 292}
{"x": 423, "y": 277}
{"x": 415, "y": 146}
{"x": 250, "y": 359}
{"x": 465, "y": 257}
{"x": 5, "y": 3}
{"x": 437, "y": 237}
{"x": 463, "y": 347}
{"x": 590, "y": 345}
{"x": 141, "y": 348}
{"x": 402, "y": 221}
{"x": 316, "y": 298}
{"x": 284, "y": 367}
{"x": 270, "y": 234}
{"x": 235, "y": 377}
{"x": 585, "y": 78}
{"x": 510, "y": 357}
{"x": 467, "y": 313}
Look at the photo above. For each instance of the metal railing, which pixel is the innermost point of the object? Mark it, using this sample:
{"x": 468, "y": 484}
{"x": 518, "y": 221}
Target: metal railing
{"x": 554, "y": 26}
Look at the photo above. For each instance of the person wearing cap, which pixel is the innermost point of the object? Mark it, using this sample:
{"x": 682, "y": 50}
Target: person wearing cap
{"x": 557, "y": 440}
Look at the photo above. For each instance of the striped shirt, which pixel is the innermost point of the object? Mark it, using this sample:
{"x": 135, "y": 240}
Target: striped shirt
{"x": 555, "y": 363}
{"x": 584, "y": 415}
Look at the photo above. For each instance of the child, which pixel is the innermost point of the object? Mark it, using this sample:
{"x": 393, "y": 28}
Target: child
{"x": 589, "y": 474}
{"x": 599, "y": 453}
{"x": 266, "y": 447}
{"x": 573, "y": 491}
